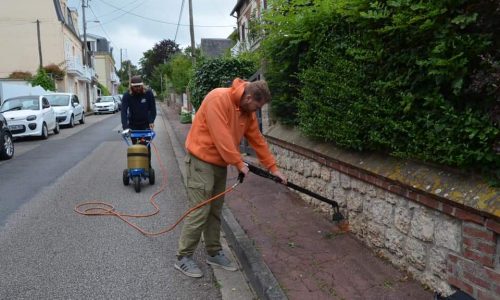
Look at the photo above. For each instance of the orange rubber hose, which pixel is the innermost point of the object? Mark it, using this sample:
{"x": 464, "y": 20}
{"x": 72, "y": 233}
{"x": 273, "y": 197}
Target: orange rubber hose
{"x": 99, "y": 208}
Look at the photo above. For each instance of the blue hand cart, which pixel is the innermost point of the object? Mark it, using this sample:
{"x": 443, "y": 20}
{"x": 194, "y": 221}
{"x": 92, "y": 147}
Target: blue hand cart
{"x": 138, "y": 153}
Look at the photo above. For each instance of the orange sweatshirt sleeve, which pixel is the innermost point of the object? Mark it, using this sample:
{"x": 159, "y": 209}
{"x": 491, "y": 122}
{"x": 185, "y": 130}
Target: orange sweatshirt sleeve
{"x": 259, "y": 144}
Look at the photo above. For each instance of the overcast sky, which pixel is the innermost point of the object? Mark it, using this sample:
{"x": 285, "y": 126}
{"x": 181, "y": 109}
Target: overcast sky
{"x": 136, "y": 25}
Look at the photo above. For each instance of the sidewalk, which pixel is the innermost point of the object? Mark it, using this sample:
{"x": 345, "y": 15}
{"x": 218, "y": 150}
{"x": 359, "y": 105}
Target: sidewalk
{"x": 289, "y": 250}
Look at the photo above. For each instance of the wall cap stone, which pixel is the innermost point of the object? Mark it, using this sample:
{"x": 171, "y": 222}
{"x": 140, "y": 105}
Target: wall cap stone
{"x": 450, "y": 186}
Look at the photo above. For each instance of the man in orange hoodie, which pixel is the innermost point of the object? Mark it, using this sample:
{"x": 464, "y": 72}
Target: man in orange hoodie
{"x": 225, "y": 116}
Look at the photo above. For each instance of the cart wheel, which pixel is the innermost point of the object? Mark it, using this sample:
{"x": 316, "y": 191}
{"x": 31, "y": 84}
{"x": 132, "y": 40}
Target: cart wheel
{"x": 126, "y": 179}
{"x": 151, "y": 176}
{"x": 137, "y": 183}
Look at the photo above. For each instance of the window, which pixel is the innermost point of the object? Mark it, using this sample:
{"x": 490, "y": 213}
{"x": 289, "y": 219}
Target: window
{"x": 243, "y": 32}
{"x": 45, "y": 103}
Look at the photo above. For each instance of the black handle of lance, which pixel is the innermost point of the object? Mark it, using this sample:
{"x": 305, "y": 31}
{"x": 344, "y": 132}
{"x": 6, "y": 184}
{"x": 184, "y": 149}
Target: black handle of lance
{"x": 337, "y": 216}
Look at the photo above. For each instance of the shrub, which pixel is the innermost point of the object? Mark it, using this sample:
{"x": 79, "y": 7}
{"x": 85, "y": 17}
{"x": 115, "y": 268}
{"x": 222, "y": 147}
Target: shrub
{"x": 24, "y": 75}
{"x": 104, "y": 90}
{"x": 43, "y": 79}
{"x": 185, "y": 118}
{"x": 55, "y": 71}
{"x": 214, "y": 73}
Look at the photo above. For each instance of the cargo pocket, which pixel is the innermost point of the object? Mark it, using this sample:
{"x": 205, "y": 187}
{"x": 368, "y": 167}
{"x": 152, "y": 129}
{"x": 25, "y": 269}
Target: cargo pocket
{"x": 196, "y": 185}
{"x": 196, "y": 192}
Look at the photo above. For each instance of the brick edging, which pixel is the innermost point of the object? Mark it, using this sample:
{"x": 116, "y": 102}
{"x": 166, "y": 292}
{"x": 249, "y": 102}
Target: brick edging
{"x": 265, "y": 285}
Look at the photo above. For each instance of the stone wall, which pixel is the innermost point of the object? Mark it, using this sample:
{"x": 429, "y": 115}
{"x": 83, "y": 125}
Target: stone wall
{"x": 442, "y": 243}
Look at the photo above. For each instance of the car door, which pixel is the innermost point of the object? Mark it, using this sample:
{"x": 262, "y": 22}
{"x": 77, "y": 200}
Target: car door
{"x": 77, "y": 107}
{"x": 49, "y": 115}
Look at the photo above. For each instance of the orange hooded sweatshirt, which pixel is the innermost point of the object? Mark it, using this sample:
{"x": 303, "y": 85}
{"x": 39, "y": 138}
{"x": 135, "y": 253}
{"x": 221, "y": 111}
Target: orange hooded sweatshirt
{"x": 219, "y": 126}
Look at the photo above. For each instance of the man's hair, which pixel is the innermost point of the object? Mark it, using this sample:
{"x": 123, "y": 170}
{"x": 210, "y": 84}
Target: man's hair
{"x": 259, "y": 91}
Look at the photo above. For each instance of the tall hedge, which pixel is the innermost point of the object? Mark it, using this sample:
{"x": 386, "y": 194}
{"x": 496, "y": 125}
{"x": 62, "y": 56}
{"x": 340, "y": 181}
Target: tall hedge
{"x": 215, "y": 73}
{"x": 413, "y": 79}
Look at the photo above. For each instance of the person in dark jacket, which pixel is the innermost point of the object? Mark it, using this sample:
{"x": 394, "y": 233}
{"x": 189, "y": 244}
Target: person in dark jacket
{"x": 138, "y": 108}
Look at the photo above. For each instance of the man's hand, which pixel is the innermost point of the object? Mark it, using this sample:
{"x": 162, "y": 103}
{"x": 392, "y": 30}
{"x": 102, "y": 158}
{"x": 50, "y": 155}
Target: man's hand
{"x": 245, "y": 170}
{"x": 152, "y": 125}
{"x": 278, "y": 174}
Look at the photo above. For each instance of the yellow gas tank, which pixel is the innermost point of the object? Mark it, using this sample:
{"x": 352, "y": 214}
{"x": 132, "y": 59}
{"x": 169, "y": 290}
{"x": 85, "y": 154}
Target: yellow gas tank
{"x": 137, "y": 157}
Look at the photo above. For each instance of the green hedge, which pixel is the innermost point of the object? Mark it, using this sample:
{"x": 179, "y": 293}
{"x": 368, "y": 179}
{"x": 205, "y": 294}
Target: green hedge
{"x": 215, "y": 73}
{"x": 412, "y": 79}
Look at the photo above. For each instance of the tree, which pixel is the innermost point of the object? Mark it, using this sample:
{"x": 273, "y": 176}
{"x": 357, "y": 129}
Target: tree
{"x": 160, "y": 54}
{"x": 126, "y": 68}
{"x": 179, "y": 72}
{"x": 197, "y": 52}
{"x": 156, "y": 81}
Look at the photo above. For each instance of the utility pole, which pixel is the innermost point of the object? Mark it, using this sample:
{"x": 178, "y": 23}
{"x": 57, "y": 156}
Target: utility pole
{"x": 84, "y": 53}
{"x": 191, "y": 31}
{"x": 39, "y": 44}
{"x": 129, "y": 65}
{"x": 193, "y": 55}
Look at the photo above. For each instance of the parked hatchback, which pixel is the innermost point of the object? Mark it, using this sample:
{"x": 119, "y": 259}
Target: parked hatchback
{"x": 67, "y": 107}
{"x": 6, "y": 144}
{"x": 30, "y": 116}
{"x": 105, "y": 104}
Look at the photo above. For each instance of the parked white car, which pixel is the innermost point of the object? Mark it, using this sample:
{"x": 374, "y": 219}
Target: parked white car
{"x": 68, "y": 108}
{"x": 30, "y": 116}
{"x": 105, "y": 104}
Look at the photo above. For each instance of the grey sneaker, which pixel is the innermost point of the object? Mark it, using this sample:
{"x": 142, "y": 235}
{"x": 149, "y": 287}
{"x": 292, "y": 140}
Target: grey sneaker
{"x": 188, "y": 267}
{"x": 220, "y": 260}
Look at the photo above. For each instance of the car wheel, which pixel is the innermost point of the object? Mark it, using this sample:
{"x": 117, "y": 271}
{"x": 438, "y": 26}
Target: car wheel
{"x": 6, "y": 146}
{"x": 82, "y": 120}
{"x": 137, "y": 183}
{"x": 72, "y": 121}
{"x": 152, "y": 176}
{"x": 126, "y": 179}
{"x": 57, "y": 128}
{"x": 45, "y": 132}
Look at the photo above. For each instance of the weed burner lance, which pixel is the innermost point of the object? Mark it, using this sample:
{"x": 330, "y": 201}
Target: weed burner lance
{"x": 337, "y": 216}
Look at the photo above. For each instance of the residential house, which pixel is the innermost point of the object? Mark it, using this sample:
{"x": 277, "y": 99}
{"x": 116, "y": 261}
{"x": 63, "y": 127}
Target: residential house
{"x": 45, "y": 32}
{"x": 246, "y": 12}
{"x": 104, "y": 62}
{"x": 213, "y": 48}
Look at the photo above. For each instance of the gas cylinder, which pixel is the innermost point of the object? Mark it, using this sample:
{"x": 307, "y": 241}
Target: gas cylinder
{"x": 137, "y": 157}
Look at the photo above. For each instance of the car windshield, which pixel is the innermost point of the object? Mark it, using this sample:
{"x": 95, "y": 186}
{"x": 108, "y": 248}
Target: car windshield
{"x": 58, "y": 100}
{"x": 20, "y": 104}
{"x": 105, "y": 99}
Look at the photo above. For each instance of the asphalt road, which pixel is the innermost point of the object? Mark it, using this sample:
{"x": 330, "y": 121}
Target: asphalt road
{"x": 47, "y": 251}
